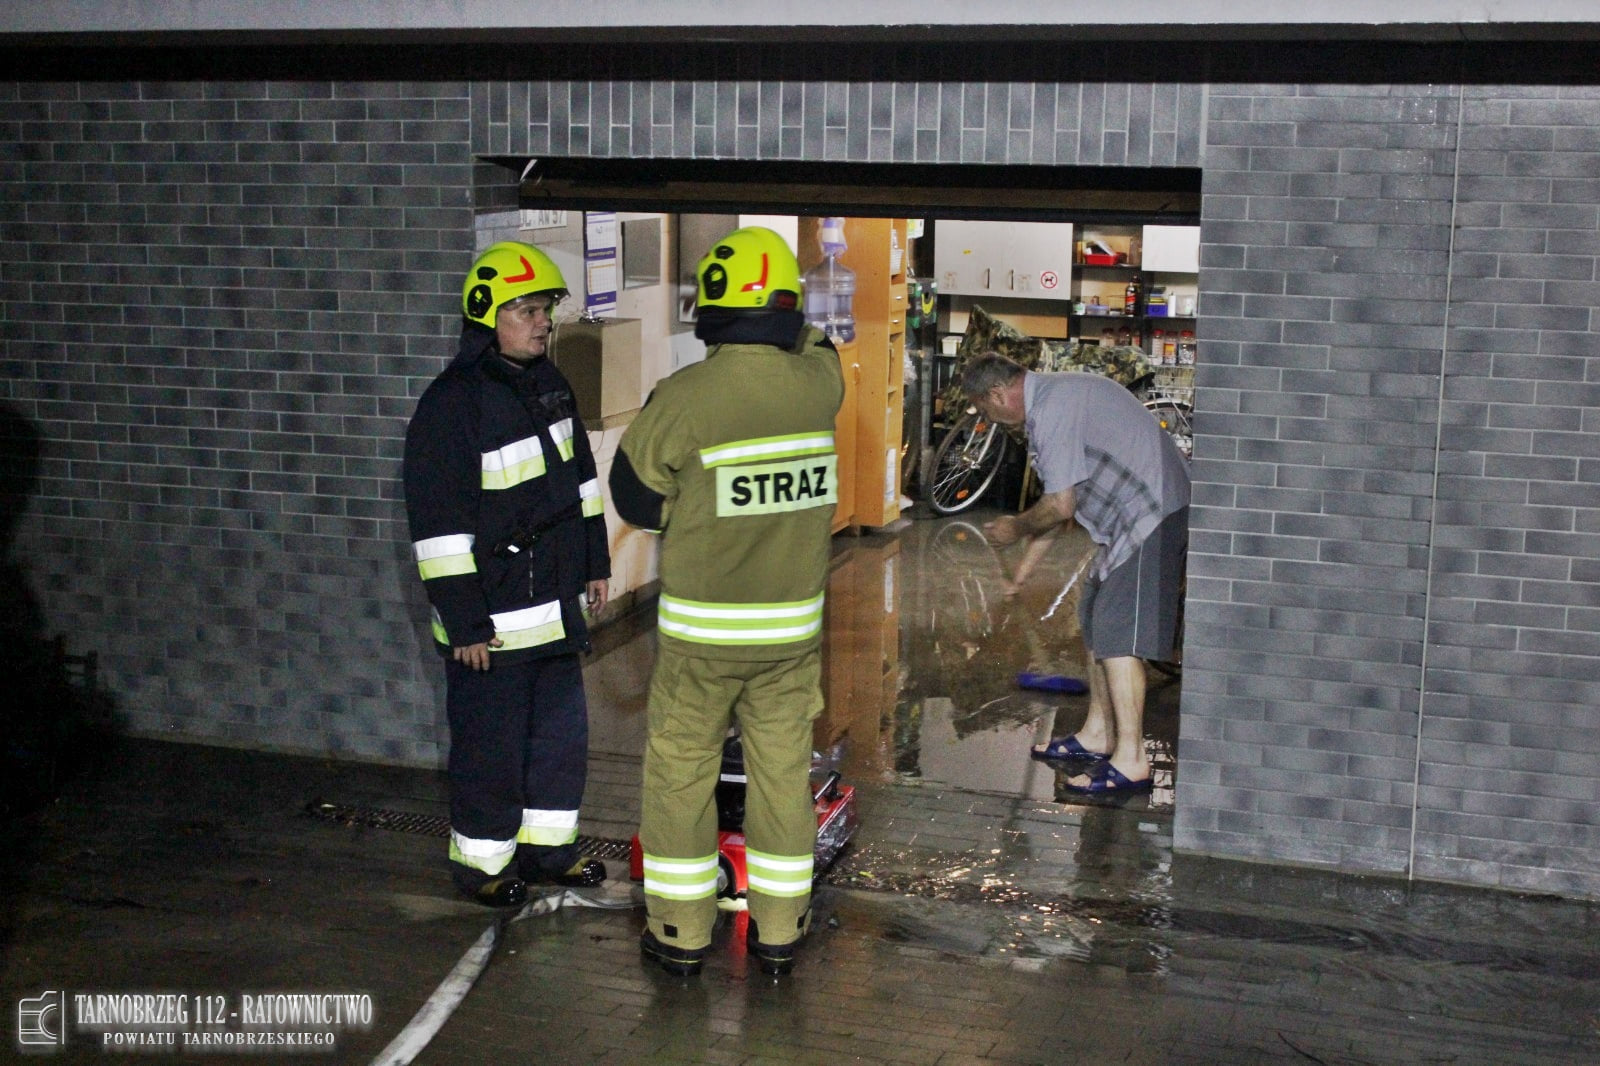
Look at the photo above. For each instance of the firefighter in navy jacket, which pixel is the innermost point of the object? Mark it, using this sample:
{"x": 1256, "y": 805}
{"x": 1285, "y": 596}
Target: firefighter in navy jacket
{"x": 509, "y": 534}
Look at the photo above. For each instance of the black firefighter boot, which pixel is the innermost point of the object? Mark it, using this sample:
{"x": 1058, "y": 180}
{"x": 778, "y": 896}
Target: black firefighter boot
{"x": 775, "y": 959}
{"x": 680, "y": 962}
{"x": 504, "y": 889}
{"x": 585, "y": 873}
{"x": 562, "y": 866}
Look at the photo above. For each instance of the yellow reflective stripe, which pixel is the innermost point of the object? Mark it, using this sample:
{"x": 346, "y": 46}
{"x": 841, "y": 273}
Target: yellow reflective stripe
{"x": 739, "y": 623}
{"x": 773, "y": 488}
{"x": 785, "y": 447}
{"x": 589, "y": 494}
{"x": 680, "y": 878}
{"x": 778, "y": 875}
{"x": 561, "y": 434}
{"x": 548, "y": 828}
{"x": 529, "y": 627}
{"x": 490, "y": 856}
{"x": 511, "y": 465}
{"x": 444, "y": 556}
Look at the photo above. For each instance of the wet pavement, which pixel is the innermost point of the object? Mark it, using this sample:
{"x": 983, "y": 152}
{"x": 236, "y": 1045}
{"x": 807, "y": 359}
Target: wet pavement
{"x": 981, "y": 915}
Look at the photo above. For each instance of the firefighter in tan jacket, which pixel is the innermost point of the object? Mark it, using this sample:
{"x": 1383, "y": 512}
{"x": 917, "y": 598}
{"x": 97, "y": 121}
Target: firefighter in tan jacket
{"x": 733, "y": 461}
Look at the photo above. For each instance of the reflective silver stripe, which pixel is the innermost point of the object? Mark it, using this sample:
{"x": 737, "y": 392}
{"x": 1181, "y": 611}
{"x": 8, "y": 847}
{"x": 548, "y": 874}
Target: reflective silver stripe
{"x": 444, "y": 556}
{"x": 561, "y": 434}
{"x": 739, "y": 623}
{"x": 529, "y": 627}
{"x": 784, "y": 447}
{"x": 680, "y": 878}
{"x": 778, "y": 875}
{"x": 512, "y": 464}
{"x": 593, "y": 502}
{"x": 548, "y": 828}
{"x": 490, "y": 856}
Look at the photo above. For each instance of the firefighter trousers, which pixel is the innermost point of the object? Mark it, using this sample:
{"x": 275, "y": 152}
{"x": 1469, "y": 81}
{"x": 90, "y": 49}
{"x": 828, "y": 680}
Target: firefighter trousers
{"x": 692, "y": 703}
{"x": 519, "y": 758}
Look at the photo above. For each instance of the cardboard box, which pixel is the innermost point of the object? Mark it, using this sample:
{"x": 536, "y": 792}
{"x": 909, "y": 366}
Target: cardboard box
{"x": 601, "y": 359}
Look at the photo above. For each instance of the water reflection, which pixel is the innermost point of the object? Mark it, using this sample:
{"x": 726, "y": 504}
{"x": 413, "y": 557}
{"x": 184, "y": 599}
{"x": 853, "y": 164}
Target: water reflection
{"x": 924, "y": 648}
{"x": 968, "y": 849}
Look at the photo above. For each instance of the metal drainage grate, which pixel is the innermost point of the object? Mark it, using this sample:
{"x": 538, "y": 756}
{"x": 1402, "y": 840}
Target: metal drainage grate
{"x": 433, "y": 825}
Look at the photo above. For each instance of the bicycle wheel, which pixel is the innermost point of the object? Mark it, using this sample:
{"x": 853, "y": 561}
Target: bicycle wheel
{"x": 966, "y": 464}
{"x": 1177, "y": 418}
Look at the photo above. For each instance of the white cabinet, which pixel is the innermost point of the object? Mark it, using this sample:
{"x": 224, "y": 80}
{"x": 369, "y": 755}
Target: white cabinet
{"x": 1031, "y": 260}
{"x": 1175, "y": 249}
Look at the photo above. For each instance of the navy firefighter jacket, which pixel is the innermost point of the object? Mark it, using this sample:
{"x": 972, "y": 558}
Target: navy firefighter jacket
{"x": 507, "y": 521}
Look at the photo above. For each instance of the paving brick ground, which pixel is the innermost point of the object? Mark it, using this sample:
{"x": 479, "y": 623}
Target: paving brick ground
{"x": 1014, "y": 935}
{"x": 981, "y": 915}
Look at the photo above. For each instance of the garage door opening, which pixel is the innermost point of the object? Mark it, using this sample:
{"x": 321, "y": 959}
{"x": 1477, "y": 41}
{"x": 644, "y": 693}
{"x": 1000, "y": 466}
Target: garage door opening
{"x": 927, "y": 683}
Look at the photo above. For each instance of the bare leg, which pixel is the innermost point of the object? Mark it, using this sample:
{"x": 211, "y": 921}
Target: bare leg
{"x": 1099, "y": 729}
{"x": 1124, "y": 680}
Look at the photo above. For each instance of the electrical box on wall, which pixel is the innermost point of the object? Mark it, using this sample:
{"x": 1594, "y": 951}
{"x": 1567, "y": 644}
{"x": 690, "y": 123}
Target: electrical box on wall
{"x": 1172, "y": 248}
{"x": 601, "y": 360}
{"x": 1030, "y": 261}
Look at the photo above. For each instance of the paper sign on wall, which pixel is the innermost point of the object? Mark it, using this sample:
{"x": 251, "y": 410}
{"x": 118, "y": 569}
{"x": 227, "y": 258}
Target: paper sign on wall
{"x": 542, "y": 219}
{"x": 600, "y": 260}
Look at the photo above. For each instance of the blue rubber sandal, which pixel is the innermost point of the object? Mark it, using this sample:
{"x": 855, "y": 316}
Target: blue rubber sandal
{"x": 1066, "y": 748}
{"x": 1107, "y": 779}
{"x": 1052, "y": 683}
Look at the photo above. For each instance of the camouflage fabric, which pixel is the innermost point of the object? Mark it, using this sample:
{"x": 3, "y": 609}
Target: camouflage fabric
{"x": 985, "y": 333}
{"x": 1124, "y": 364}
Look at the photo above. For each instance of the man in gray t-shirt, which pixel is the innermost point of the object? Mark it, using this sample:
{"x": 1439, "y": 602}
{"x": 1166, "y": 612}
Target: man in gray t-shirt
{"x": 1105, "y": 461}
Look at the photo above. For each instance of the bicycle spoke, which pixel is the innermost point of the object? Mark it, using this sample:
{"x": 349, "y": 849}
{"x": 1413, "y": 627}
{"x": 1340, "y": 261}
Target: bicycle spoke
{"x": 965, "y": 465}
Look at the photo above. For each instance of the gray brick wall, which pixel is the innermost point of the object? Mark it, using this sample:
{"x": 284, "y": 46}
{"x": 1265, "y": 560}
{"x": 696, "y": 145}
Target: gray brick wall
{"x": 1511, "y": 723}
{"x": 1371, "y": 565}
{"x": 1088, "y": 124}
{"x": 221, "y": 299}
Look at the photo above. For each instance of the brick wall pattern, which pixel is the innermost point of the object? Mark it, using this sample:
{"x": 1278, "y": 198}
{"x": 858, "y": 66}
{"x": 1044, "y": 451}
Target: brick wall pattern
{"x": 1393, "y": 643}
{"x": 222, "y": 299}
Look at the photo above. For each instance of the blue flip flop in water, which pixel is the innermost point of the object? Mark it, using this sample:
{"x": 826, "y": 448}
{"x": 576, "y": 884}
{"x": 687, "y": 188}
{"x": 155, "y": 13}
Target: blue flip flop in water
{"x": 1066, "y": 748}
{"x": 1052, "y": 683}
{"x": 1107, "y": 779}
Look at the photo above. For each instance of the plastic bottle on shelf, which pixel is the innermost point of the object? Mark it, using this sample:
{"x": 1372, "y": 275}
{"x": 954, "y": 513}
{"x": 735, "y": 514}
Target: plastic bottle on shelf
{"x": 830, "y": 287}
{"x": 930, "y": 314}
{"x": 1130, "y": 297}
{"x": 913, "y": 311}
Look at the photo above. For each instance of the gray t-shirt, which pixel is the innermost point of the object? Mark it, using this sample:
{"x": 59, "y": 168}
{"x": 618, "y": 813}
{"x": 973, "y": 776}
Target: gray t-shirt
{"x": 1088, "y": 433}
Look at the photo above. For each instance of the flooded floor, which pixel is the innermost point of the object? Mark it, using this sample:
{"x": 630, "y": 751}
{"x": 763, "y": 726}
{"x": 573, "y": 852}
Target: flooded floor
{"x": 981, "y": 915}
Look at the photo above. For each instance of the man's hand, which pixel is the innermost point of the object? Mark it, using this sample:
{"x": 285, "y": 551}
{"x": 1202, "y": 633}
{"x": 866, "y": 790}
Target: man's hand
{"x": 476, "y": 656}
{"x": 599, "y": 592}
{"x": 1050, "y": 512}
{"x": 1007, "y": 529}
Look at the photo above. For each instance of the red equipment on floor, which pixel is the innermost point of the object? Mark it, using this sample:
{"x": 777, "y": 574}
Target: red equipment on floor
{"x": 834, "y": 803}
